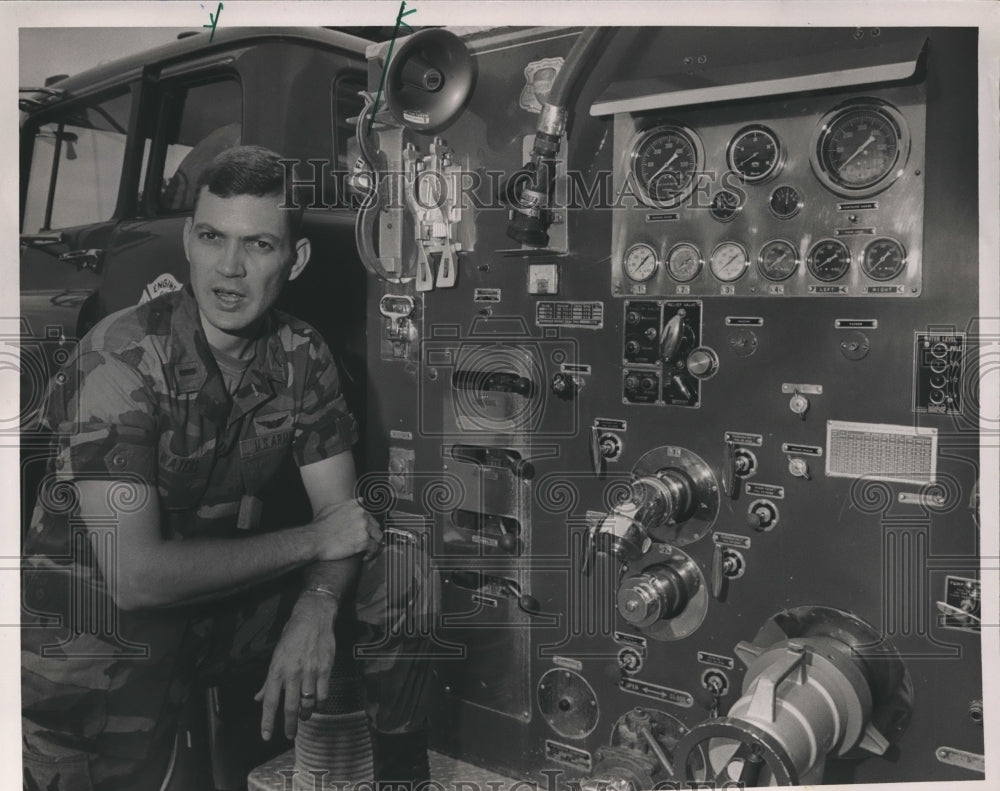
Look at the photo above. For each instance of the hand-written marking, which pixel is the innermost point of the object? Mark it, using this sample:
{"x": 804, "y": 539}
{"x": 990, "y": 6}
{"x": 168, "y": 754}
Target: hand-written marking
{"x": 388, "y": 58}
{"x": 215, "y": 21}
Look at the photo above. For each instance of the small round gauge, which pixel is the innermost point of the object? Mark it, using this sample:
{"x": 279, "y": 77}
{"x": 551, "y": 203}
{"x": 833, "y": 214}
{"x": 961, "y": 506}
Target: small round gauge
{"x": 683, "y": 262}
{"x": 777, "y": 260}
{"x": 725, "y": 206}
{"x": 883, "y": 259}
{"x": 785, "y": 202}
{"x": 665, "y": 161}
{"x": 755, "y": 153}
{"x": 828, "y": 260}
{"x": 729, "y": 261}
{"x": 860, "y": 148}
{"x": 640, "y": 262}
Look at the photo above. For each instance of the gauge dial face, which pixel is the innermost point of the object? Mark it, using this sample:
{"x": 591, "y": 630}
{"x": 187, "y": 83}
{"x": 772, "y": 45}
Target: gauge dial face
{"x": 755, "y": 153}
{"x": 785, "y": 202}
{"x": 829, "y": 260}
{"x": 859, "y": 149}
{"x": 665, "y": 162}
{"x": 683, "y": 262}
{"x": 777, "y": 260}
{"x": 728, "y": 262}
{"x": 725, "y": 206}
{"x": 883, "y": 259}
{"x": 640, "y": 262}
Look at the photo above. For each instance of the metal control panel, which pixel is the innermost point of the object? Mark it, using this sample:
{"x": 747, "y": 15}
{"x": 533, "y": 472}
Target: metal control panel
{"x": 694, "y": 443}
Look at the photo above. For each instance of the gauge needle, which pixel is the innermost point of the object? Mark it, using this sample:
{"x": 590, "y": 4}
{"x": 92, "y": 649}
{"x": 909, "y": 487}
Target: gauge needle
{"x": 779, "y": 259}
{"x": 664, "y": 166}
{"x": 885, "y": 255}
{"x": 747, "y": 159}
{"x": 862, "y": 147}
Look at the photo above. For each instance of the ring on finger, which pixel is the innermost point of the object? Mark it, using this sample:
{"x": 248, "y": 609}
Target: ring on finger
{"x": 309, "y": 696}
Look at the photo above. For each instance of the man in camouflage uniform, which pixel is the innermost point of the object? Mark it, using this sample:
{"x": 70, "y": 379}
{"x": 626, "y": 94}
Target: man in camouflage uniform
{"x": 151, "y": 551}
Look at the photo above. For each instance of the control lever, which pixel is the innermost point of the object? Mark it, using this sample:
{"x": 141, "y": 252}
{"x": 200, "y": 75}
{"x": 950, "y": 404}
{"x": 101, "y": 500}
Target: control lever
{"x": 656, "y": 749}
{"x": 718, "y": 577}
{"x": 735, "y": 466}
{"x": 672, "y": 334}
{"x": 525, "y": 601}
{"x": 596, "y": 457}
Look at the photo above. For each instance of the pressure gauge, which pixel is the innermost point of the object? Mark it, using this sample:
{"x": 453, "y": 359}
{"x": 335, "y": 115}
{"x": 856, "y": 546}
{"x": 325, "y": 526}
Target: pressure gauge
{"x": 828, "y": 260}
{"x": 665, "y": 162}
{"x": 883, "y": 259}
{"x": 785, "y": 202}
{"x": 755, "y": 153}
{"x": 777, "y": 260}
{"x": 683, "y": 262}
{"x": 640, "y": 262}
{"x": 725, "y": 206}
{"x": 728, "y": 261}
{"x": 860, "y": 147}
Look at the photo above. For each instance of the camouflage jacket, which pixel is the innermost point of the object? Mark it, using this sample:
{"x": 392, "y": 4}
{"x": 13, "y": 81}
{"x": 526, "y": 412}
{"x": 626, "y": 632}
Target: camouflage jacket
{"x": 142, "y": 400}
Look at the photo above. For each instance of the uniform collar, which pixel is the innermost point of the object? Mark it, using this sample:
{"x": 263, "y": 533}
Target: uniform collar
{"x": 194, "y": 370}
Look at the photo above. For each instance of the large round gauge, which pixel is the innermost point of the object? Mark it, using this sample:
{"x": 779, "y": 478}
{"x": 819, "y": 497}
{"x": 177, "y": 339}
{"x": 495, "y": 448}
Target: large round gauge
{"x": 883, "y": 259}
{"x": 860, "y": 148}
{"x": 828, "y": 260}
{"x": 665, "y": 161}
{"x": 683, "y": 262}
{"x": 640, "y": 262}
{"x": 755, "y": 153}
{"x": 729, "y": 261}
{"x": 785, "y": 202}
{"x": 777, "y": 260}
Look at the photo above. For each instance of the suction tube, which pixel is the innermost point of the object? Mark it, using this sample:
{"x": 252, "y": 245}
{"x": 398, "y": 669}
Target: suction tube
{"x": 532, "y": 187}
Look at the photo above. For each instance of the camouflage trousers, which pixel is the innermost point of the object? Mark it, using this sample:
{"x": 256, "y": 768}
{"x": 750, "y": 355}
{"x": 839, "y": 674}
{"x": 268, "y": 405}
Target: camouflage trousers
{"x": 102, "y": 691}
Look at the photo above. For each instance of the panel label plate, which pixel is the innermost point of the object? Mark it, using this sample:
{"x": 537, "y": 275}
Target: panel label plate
{"x": 630, "y": 639}
{"x": 731, "y": 540}
{"x": 804, "y": 450}
{"x": 742, "y": 438}
{"x": 676, "y": 697}
{"x": 585, "y": 315}
{"x": 570, "y": 756}
{"x": 716, "y": 660}
{"x": 765, "y": 490}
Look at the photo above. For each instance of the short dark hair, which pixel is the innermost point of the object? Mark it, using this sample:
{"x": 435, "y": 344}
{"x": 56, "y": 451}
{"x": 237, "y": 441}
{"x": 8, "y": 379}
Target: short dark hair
{"x": 252, "y": 170}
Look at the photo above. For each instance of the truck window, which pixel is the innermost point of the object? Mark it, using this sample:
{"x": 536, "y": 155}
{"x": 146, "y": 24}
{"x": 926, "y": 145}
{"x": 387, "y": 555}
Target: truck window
{"x": 76, "y": 165}
{"x": 201, "y": 121}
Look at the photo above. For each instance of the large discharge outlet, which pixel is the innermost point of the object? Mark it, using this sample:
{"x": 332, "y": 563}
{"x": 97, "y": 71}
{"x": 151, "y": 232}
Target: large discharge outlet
{"x": 805, "y": 699}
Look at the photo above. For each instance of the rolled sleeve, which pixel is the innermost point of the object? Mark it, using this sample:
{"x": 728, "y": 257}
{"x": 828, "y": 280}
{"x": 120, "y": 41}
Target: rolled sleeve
{"x": 325, "y": 426}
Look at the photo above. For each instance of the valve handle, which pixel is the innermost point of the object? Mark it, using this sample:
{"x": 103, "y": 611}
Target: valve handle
{"x": 718, "y": 575}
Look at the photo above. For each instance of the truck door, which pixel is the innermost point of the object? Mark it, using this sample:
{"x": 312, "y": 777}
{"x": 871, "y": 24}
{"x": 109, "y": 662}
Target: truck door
{"x": 73, "y": 172}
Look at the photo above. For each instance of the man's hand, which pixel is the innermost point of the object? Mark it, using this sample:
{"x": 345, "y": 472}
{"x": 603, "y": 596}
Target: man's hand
{"x": 346, "y": 529}
{"x": 301, "y": 663}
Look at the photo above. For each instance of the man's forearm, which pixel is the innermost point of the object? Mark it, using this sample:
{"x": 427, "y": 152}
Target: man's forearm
{"x": 335, "y": 576}
{"x": 188, "y": 572}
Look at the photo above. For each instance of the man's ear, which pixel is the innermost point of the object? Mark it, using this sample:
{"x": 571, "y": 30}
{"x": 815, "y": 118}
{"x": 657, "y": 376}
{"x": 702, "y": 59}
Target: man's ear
{"x": 303, "y": 249}
{"x": 188, "y": 224}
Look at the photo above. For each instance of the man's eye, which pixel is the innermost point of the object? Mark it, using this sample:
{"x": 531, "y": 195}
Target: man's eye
{"x": 260, "y": 244}
{"x": 208, "y": 236}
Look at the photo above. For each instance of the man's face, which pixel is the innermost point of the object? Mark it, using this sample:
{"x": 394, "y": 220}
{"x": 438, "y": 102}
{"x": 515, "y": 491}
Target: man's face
{"x": 241, "y": 255}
